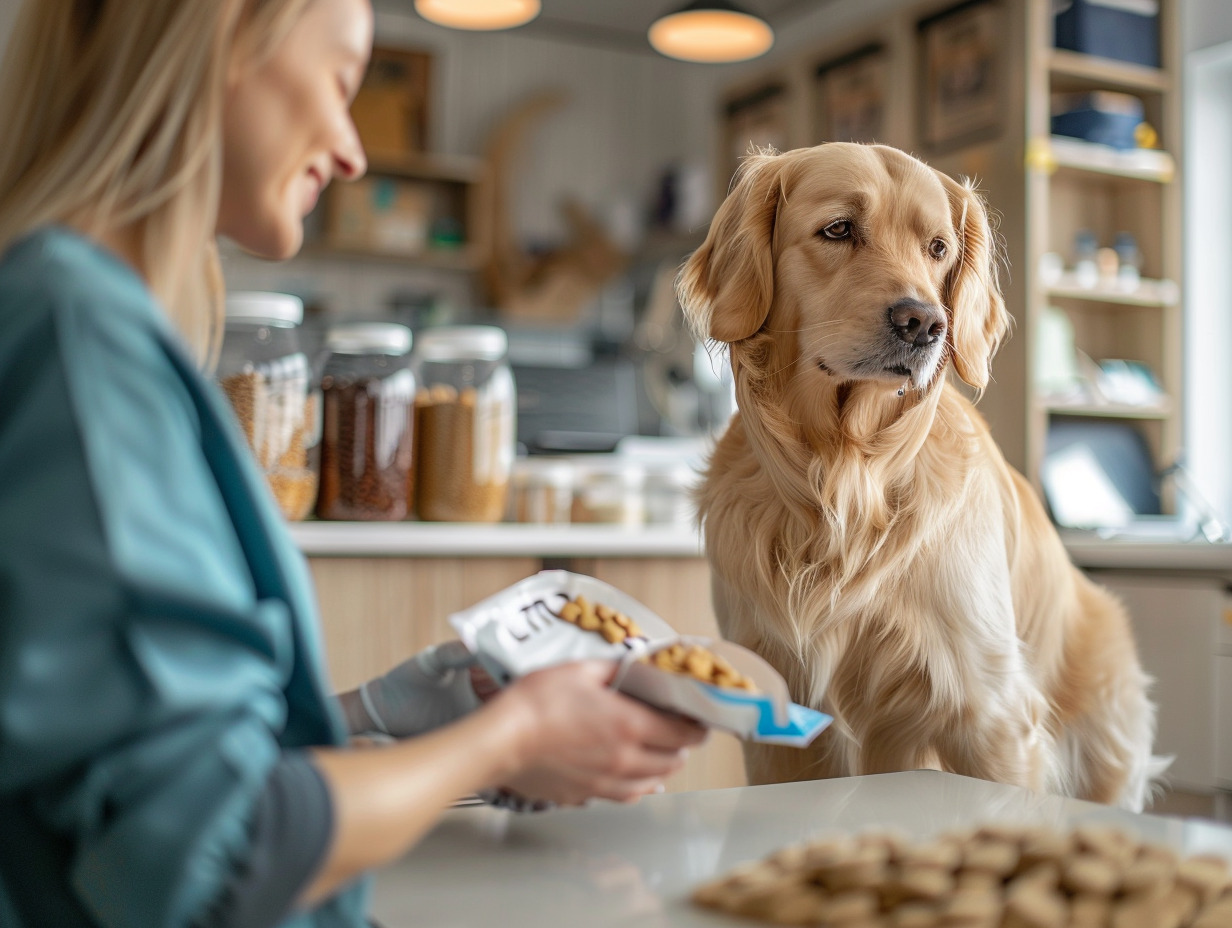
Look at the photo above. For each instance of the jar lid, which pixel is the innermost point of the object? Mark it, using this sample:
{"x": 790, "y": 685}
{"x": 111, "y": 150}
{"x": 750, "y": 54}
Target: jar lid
{"x": 280, "y": 309}
{"x": 365, "y": 337}
{"x": 445, "y": 343}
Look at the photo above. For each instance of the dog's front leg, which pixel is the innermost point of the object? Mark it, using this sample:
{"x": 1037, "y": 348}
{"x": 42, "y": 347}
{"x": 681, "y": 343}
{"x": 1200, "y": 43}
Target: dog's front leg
{"x": 1006, "y": 742}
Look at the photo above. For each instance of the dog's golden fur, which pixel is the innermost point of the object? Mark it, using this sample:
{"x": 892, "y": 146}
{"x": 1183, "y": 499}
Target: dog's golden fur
{"x": 865, "y": 534}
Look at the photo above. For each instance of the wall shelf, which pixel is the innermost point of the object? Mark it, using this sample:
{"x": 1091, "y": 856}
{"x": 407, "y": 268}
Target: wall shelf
{"x": 1158, "y": 293}
{"x": 1105, "y": 73}
{"x": 1109, "y": 410}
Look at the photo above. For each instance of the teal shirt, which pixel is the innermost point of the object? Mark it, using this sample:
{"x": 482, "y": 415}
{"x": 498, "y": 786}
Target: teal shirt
{"x": 158, "y": 633}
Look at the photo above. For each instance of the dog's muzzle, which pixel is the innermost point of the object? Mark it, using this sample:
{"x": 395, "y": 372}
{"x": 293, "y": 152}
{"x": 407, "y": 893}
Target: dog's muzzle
{"x": 921, "y": 325}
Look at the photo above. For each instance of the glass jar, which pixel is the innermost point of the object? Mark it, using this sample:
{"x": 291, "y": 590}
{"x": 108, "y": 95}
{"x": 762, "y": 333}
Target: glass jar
{"x": 608, "y": 488}
{"x": 367, "y": 426}
{"x": 267, "y": 378}
{"x": 464, "y": 424}
{"x": 542, "y": 491}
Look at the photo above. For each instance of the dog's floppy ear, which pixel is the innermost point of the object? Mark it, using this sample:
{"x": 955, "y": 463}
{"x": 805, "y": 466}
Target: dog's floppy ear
{"x": 978, "y": 320}
{"x": 726, "y": 285}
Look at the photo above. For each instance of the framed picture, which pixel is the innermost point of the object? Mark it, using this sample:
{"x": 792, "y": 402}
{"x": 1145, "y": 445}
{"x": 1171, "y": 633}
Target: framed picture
{"x": 962, "y": 80}
{"x": 850, "y": 97}
{"x": 753, "y": 121}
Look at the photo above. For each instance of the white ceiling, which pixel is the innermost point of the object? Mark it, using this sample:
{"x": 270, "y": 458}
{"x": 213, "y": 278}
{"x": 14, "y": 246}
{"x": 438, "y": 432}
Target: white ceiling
{"x": 624, "y": 22}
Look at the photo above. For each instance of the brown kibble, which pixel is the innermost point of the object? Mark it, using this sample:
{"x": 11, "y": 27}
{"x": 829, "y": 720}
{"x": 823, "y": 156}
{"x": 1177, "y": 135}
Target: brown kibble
{"x": 607, "y": 613}
{"x": 1036, "y": 906}
{"x": 1044, "y": 846}
{"x": 1149, "y": 871}
{"x": 663, "y": 661}
{"x": 612, "y": 632}
{"x": 634, "y": 630}
{"x": 922, "y": 882}
{"x": 1217, "y": 915}
{"x": 1140, "y": 910}
{"x": 443, "y": 393}
{"x": 1205, "y": 875}
{"x": 1110, "y": 843}
{"x": 943, "y": 855}
{"x": 972, "y": 908}
{"x": 1087, "y": 873}
{"x": 571, "y": 612}
{"x": 621, "y": 619}
{"x": 459, "y": 447}
{"x": 996, "y": 857}
{"x": 588, "y": 620}
{"x": 699, "y": 663}
{"x": 844, "y": 907}
{"x": 913, "y": 915}
{"x": 1088, "y": 911}
{"x": 862, "y": 868}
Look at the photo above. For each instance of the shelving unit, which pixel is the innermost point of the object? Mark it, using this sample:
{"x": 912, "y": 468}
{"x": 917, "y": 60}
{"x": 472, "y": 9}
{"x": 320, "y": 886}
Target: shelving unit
{"x": 1073, "y": 185}
{"x": 396, "y": 212}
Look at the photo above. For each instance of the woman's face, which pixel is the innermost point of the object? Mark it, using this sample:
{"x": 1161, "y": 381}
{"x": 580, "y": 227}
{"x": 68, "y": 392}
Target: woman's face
{"x": 287, "y": 127}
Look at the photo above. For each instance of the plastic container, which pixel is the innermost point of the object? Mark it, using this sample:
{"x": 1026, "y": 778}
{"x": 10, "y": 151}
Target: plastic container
{"x": 608, "y": 489}
{"x": 667, "y": 494}
{"x": 268, "y": 380}
{"x": 1099, "y": 116}
{"x": 367, "y": 430}
{"x": 542, "y": 491}
{"x": 465, "y": 424}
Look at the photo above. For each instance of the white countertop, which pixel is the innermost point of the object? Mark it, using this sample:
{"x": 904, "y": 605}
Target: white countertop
{"x": 611, "y": 865}
{"x": 440, "y": 539}
{"x": 435, "y": 539}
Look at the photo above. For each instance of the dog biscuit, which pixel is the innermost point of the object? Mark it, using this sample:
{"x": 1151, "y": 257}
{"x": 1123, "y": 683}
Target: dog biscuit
{"x": 614, "y": 626}
{"x": 701, "y": 664}
{"x": 995, "y": 877}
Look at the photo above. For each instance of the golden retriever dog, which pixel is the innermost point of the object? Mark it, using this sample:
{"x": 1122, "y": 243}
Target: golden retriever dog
{"x": 865, "y": 534}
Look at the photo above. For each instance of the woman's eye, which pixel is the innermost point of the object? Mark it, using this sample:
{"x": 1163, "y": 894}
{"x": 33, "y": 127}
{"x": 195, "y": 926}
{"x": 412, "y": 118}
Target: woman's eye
{"x": 938, "y": 248}
{"x": 838, "y": 230}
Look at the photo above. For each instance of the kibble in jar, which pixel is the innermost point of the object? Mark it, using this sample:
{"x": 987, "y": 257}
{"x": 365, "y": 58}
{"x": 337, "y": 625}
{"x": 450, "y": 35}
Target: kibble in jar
{"x": 464, "y": 425}
{"x": 367, "y": 429}
{"x": 267, "y": 380}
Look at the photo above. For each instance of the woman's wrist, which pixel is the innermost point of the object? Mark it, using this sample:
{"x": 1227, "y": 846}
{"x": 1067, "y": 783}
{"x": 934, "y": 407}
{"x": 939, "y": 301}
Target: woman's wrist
{"x": 513, "y": 734}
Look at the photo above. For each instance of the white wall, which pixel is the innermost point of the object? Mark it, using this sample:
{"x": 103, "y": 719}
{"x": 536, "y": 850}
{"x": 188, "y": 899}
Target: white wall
{"x": 1208, "y": 272}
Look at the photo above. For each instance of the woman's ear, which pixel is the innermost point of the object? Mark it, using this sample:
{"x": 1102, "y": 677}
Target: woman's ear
{"x": 726, "y": 286}
{"x": 972, "y": 295}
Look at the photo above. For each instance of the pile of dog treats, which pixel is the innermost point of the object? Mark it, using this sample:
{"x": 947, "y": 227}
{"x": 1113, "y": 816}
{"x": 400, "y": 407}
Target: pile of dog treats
{"x": 701, "y": 664}
{"x": 595, "y": 617}
{"x": 994, "y": 877}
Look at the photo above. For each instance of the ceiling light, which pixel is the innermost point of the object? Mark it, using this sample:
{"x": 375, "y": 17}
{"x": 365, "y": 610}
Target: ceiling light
{"x": 478, "y": 14}
{"x": 711, "y": 31}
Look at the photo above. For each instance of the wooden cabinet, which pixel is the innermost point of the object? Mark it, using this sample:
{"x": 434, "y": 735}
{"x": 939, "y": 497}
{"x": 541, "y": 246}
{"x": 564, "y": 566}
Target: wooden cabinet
{"x": 378, "y": 610}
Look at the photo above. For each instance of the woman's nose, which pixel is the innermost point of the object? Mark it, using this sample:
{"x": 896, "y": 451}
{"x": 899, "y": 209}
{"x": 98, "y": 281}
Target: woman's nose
{"x": 350, "y": 161}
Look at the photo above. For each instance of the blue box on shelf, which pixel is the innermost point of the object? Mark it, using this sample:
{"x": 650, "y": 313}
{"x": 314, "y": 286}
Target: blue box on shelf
{"x": 1127, "y": 30}
{"x": 1099, "y": 116}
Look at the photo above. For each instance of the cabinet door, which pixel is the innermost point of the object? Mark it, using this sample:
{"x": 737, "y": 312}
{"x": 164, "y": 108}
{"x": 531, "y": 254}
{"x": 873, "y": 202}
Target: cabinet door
{"x": 678, "y": 589}
{"x": 1176, "y": 623}
{"x": 377, "y": 611}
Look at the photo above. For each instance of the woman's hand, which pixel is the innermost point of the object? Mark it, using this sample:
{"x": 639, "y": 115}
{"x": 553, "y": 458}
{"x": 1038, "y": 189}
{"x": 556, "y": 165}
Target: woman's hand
{"x": 582, "y": 740}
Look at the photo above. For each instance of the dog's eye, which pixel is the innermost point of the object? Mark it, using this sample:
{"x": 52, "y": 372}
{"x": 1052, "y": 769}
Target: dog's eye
{"x": 938, "y": 248}
{"x": 838, "y": 230}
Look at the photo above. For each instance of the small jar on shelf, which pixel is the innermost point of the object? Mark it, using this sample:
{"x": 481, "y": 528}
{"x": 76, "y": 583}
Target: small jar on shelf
{"x": 368, "y": 396}
{"x": 267, "y": 378}
{"x": 465, "y": 431}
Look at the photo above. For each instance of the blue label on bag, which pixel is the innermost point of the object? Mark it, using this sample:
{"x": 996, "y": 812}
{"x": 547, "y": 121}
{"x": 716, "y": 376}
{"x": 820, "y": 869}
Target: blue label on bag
{"x": 802, "y": 726}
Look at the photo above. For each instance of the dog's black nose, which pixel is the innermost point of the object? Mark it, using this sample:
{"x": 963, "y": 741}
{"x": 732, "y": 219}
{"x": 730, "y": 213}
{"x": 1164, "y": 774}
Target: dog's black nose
{"x": 918, "y": 324}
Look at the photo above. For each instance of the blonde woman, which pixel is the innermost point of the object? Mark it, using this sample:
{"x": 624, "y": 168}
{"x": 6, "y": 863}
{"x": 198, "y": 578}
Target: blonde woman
{"x": 169, "y": 753}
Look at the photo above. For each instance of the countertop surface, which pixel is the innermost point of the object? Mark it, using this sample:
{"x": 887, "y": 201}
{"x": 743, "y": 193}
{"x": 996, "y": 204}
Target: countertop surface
{"x": 430, "y": 539}
{"x": 609, "y": 865}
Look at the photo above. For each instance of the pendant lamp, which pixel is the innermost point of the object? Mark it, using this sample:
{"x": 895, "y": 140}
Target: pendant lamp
{"x": 711, "y": 31}
{"x": 478, "y": 14}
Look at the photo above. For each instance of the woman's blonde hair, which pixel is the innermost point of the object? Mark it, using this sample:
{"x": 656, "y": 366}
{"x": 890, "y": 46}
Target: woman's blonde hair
{"x": 112, "y": 120}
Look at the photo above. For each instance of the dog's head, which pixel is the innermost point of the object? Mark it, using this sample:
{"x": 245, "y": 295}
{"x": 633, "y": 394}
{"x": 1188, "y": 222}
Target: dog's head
{"x": 883, "y": 267}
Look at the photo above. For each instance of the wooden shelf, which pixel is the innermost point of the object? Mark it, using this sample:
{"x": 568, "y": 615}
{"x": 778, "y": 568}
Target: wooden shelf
{"x": 1061, "y": 152}
{"x": 1105, "y": 73}
{"x": 1108, "y": 410}
{"x": 1151, "y": 293}
{"x": 465, "y": 258}
{"x": 457, "y": 168}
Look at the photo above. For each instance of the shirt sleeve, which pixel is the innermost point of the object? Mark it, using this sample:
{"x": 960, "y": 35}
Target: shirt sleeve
{"x": 289, "y": 837}
{"x": 142, "y": 681}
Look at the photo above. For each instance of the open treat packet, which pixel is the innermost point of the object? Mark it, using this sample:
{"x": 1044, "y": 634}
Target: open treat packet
{"x": 558, "y": 616}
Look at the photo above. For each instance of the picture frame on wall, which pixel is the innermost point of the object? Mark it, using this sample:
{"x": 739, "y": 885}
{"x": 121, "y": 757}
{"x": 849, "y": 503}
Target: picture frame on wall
{"x": 850, "y": 96}
{"x": 962, "y": 83}
{"x": 754, "y": 121}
